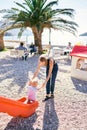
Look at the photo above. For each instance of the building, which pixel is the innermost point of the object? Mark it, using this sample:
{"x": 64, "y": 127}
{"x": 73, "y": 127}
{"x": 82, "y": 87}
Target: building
{"x": 79, "y": 62}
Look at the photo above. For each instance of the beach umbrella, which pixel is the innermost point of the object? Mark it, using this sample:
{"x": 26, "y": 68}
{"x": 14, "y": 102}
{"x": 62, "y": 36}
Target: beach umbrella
{"x": 83, "y": 34}
{"x": 84, "y": 37}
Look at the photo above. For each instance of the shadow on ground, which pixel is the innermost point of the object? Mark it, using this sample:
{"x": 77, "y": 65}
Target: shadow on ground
{"x": 18, "y": 123}
{"x": 50, "y": 119}
{"x": 80, "y": 85}
{"x": 16, "y": 72}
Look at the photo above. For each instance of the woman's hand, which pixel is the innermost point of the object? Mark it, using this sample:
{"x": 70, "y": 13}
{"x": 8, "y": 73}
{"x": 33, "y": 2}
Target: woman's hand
{"x": 37, "y": 71}
{"x": 29, "y": 83}
{"x": 43, "y": 85}
{"x": 38, "y": 88}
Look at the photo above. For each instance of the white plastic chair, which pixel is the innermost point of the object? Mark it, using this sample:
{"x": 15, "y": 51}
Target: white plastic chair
{"x": 14, "y": 53}
{"x": 20, "y": 53}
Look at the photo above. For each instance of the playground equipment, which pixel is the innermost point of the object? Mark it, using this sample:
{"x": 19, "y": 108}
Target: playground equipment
{"x": 17, "y": 107}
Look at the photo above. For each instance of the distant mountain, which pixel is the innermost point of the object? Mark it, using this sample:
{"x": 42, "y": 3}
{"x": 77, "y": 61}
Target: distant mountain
{"x": 83, "y": 34}
{"x": 15, "y": 32}
{"x": 8, "y": 34}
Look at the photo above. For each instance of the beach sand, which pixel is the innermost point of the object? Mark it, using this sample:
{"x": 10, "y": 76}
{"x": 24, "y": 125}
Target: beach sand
{"x": 67, "y": 111}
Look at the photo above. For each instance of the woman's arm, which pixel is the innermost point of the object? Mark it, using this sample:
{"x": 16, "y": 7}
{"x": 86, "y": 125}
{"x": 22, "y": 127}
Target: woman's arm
{"x": 37, "y": 71}
{"x": 51, "y": 63}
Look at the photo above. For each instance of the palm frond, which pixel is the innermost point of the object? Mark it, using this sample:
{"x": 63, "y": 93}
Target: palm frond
{"x": 21, "y": 31}
{"x": 41, "y": 14}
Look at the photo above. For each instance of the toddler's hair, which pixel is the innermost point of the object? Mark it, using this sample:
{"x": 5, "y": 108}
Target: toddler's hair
{"x": 35, "y": 80}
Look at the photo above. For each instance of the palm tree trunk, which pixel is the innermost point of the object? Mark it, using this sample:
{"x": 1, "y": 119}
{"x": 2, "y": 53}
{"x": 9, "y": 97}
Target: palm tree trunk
{"x": 37, "y": 39}
{"x": 38, "y": 43}
{"x": 1, "y": 42}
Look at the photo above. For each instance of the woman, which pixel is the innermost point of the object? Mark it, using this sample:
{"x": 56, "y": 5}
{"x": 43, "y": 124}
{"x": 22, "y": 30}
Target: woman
{"x": 51, "y": 73}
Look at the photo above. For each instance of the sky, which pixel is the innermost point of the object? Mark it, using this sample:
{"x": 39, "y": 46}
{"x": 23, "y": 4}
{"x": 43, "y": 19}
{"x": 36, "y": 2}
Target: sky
{"x": 80, "y": 7}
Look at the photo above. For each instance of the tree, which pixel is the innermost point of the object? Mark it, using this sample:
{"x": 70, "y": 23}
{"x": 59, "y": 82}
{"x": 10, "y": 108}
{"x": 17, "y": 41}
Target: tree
{"x": 40, "y": 14}
{"x": 1, "y": 42}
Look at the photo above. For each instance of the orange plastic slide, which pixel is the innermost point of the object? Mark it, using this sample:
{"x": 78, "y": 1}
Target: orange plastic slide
{"x": 17, "y": 107}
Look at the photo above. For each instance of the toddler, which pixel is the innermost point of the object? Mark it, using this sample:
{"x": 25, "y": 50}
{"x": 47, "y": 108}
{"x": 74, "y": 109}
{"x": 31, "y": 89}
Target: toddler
{"x": 32, "y": 88}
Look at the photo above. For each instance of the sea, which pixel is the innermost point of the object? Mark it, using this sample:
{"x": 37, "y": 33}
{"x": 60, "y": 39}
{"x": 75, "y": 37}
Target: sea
{"x": 54, "y": 39}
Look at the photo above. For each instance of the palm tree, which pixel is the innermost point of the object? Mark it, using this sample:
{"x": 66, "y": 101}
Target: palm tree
{"x": 5, "y": 26}
{"x": 40, "y": 14}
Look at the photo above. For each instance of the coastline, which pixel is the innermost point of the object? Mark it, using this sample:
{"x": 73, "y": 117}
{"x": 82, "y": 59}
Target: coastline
{"x": 45, "y": 41}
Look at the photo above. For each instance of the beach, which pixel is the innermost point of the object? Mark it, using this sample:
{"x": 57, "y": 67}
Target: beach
{"x": 68, "y": 109}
